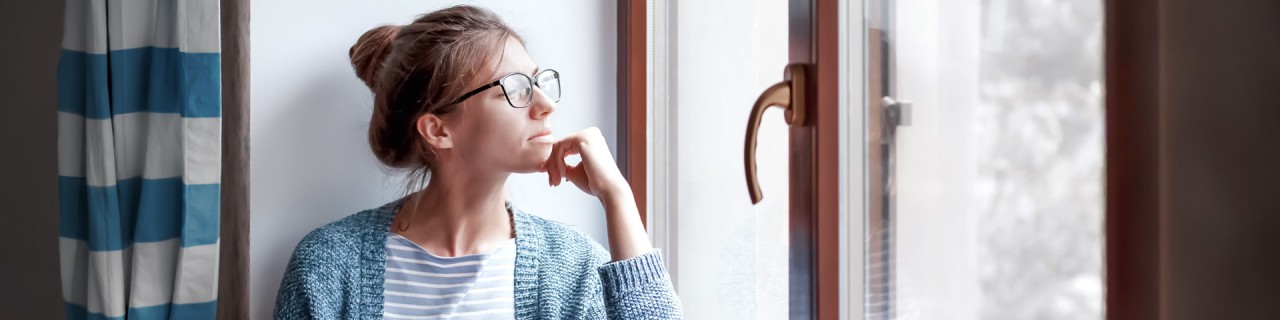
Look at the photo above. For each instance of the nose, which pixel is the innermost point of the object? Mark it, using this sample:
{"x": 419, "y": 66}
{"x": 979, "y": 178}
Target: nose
{"x": 542, "y": 106}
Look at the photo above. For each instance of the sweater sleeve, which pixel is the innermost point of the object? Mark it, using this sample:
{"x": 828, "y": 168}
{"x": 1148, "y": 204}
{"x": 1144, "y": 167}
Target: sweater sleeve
{"x": 293, "y": 300}
{"x": 307, "y": 291}
{"x": 639, "y": 288}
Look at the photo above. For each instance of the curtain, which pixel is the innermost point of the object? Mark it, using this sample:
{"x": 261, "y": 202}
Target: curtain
{"x": 139, "y": 150}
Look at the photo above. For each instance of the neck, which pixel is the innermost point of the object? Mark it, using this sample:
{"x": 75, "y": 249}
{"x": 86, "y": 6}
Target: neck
{"x": 457, "y": 214}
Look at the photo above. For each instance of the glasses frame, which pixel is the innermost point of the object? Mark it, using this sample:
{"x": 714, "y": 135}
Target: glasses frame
{"x": 533, "y": 82}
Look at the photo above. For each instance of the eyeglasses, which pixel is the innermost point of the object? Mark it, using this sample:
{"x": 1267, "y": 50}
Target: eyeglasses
{"x": 518, "y": 87}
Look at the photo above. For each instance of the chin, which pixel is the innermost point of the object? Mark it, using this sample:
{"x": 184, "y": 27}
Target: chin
{"x": 531, "y": 160}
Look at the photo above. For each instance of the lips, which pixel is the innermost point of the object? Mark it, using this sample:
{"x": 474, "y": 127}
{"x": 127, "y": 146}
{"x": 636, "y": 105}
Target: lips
{"x": 544, "y": 135}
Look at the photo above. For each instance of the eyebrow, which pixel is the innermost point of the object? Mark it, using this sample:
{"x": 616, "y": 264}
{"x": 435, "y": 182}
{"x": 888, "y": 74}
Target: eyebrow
{"x": 536, "y": 69}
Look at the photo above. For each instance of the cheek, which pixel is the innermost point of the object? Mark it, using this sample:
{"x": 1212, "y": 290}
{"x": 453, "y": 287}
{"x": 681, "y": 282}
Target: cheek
{"x": 508, "y": 145}
{"x": 496, "y": 137}
{"x": 490, "y": 134}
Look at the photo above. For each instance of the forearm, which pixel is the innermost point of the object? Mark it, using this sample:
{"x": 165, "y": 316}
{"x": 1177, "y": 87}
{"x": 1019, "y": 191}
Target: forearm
{"x": 627, "y": 237}
{"x": 636, "y": 284}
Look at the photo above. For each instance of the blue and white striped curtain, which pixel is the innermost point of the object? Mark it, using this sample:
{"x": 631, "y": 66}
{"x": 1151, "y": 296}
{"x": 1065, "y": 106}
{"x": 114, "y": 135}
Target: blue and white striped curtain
{"x": 139, "y": 150}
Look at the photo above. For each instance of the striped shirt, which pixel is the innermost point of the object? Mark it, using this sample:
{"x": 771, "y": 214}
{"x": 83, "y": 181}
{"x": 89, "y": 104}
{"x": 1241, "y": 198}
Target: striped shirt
{"x": 421, "y": 285}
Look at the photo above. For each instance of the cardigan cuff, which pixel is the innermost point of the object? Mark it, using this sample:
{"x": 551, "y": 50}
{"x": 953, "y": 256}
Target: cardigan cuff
{"x": 635, "y": 272}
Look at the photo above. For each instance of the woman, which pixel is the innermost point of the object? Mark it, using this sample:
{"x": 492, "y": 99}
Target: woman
{"x": 457, "y": 96}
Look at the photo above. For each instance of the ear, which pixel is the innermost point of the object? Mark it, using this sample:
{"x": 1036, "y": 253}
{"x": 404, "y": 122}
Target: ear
{"x": 431, "y": 129}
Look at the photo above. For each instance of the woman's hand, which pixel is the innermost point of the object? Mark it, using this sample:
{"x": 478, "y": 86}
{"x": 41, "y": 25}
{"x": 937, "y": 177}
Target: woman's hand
{"x": 596, "y": 175}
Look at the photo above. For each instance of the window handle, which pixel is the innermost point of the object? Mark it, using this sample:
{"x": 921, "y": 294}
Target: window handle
{"x": 789, "y": 95}
{"x": 898, "y": 112}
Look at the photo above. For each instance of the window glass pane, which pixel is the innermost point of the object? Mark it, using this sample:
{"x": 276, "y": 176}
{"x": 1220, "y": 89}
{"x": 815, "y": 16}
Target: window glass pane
{"x": 993, "y": 206}
{"x": 732, "y": 256}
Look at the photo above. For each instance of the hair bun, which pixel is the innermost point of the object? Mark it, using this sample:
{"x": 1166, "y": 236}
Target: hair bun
{"x": 370, "y": 52}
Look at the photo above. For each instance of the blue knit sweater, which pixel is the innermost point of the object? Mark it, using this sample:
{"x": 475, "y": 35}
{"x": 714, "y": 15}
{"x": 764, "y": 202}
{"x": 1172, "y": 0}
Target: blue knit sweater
{"x": 337, "y": 272}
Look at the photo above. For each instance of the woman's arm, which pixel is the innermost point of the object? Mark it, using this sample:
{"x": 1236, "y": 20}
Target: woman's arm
{"x": 598, "y": 175}
{"x": 635, "y": 284}
{"x": 639, "y": 288}
{"x": 627, "y": 237}
{"x": 316, "y": 281}
{"x": 296, "y": 298}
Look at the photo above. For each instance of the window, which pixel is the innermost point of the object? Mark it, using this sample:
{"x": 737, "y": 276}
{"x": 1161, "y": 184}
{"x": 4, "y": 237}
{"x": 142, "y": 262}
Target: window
{"x": 988, "y": 202}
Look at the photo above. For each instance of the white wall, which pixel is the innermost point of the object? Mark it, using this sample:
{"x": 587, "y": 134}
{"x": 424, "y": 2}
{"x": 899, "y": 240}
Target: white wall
{"x": 309, "y": 114}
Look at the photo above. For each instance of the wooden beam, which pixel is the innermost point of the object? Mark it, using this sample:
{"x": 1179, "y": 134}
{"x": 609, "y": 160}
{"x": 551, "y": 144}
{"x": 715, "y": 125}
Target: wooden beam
{"x": 826, "y": 55}
{"x": 632, "y": 99}
{"x": 233, "y": 251}
{"x": 1132, "y": 153}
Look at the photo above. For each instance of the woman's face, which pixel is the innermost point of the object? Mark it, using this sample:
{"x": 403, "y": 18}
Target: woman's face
{"x": 489, "y": 135}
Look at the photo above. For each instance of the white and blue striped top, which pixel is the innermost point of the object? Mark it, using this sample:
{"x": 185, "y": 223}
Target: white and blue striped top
{"x": 421, "y": 285}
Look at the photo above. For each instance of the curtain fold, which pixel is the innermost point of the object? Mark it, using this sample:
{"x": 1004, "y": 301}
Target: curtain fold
{"x": 139, "y": 142}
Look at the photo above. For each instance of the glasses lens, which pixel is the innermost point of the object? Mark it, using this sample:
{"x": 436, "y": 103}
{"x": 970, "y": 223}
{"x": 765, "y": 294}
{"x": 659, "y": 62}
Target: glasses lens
{"x": 549, "y": 82}
{"x": 519, "y": 90}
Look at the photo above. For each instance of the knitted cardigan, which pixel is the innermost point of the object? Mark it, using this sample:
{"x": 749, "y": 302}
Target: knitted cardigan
{"x": 337, "y": 272}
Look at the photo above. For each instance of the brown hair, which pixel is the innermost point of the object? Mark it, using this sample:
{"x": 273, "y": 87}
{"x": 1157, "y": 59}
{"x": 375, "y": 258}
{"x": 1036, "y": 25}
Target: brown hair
{"x": 420, "y": 68}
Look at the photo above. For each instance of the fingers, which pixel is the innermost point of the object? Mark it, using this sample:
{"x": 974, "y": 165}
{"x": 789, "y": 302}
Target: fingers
{"x": 557, "y": 161}
{"x": 555, "y": 165}
{"x": 595, "y": 148}
{"x": 578, "y": 176}
{"x": 546, "y": 167}
{"x": 552, "y": 166}
{"x": 549, "y": 167}
{"x": 576, "y": 144}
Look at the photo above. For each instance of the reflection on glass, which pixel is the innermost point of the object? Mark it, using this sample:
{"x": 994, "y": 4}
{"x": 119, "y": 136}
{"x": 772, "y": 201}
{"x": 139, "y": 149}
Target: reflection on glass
{"x": 995, "y": 207}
